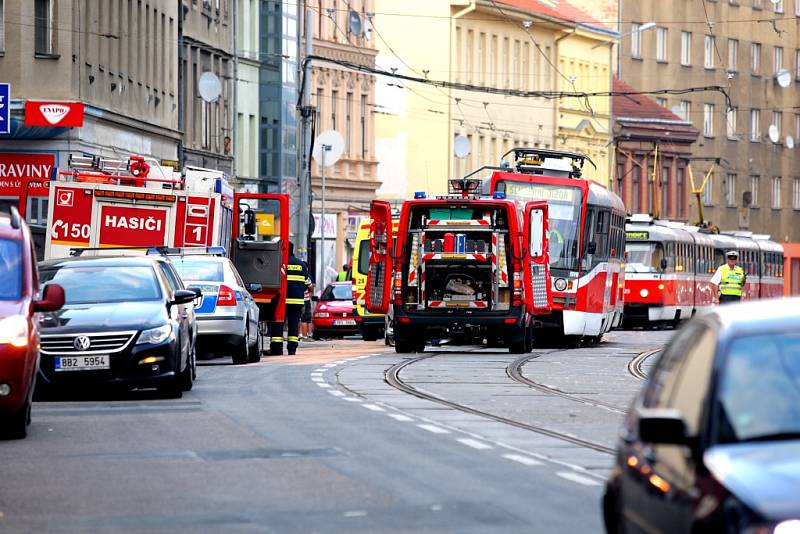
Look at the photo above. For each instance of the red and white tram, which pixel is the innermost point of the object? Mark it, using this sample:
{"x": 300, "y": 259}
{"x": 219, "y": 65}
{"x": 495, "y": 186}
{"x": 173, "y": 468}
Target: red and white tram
{"x": 670, "y": 265}
{"x": 586, "y": 236}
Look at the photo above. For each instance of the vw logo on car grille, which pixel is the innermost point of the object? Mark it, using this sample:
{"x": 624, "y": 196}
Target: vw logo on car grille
{"x": 81, "y": 343}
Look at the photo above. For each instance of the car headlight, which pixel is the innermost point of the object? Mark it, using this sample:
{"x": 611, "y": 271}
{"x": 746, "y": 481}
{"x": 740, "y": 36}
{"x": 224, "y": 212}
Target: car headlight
{"x": 322, "y": 315}
{"x": 14, "y": 331}
{"x": 643, "y": 293}
{"x": 560, "y": 284}
{"x": 155, "y": 335}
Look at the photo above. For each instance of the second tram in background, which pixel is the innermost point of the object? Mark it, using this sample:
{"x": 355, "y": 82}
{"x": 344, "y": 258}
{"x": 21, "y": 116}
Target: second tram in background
{"x": 670, "y": 265}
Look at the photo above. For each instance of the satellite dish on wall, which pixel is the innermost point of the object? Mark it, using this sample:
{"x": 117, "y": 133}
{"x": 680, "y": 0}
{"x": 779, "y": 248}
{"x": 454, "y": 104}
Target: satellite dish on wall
{"x": 461, "y": 146}
{"x": 354, "y": 23}
{"x": 789, "y": 142}
{"x": 774, "y": 134}
{"x": 784, "y": 78}
{"x": 209, "y": 86}
{"x": 332, "y": 141}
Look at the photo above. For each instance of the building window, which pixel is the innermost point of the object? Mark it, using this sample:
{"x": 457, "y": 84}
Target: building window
{"x": 708, "y": 52}
{"x": 757, "y": 4}
{"x": 636, "y": 40}
{"x": 754, "y": 191}
{"x": 777, "y": 120}
{"x": 470, "y": 49}
{"x": 363, "y": 126}
{"x": 796, "y": 194}
{"x": 661, "y": 101}
{"x": 504, "y": 63}
{"x": 776, "y": 193}
{"x": 730, "y": 123}
{"x": 493, "y": 74}
{"x": 348, "y": 112}
{"x": 650, "y": 189}
{"x": 755, "y": 58}
{"x": 334, "y": 105}
{"x": 797, "y": 128}
{"x": 778, "y": 6}
{"x": 680, "y": 192}
{"x": 482, "y": 58}
{"x": 665, "y": 203}
{"x": 2, "y": 26}
{"x": 686, "y": 48}
{"x": 730, "y": 190}
{"x": 686, "y": 110}
{"x": 636, "y": 188}
{"x": 708, "y": 192}
{"x": 797, "y": 8}
{"x": 708, "y": 120}
{"x": 777, "y": 59}
{"x": 43, "y": 27}
{"x": 661, "y": 44}
{"x": 733, "y": 55}
{"x": 515, "y": 67}
{"x": 797, "y": 59}
{"x": 755, "y": 125}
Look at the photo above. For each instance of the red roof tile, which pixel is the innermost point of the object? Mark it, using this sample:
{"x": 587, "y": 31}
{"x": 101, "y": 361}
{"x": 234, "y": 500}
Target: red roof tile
{"x": 563, "y": 10}
{"x": 638, "y": 106}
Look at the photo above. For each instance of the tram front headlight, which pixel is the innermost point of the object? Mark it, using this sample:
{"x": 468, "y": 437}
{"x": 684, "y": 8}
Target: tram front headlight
{"x": 643, "y": 293}
{"x": 661, "y": 287}
{"x": 560, "y": 284}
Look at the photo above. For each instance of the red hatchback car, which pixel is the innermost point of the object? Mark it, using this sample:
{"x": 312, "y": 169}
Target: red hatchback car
{"x": 333, "y": 315}
{"x": 19, "y": 331}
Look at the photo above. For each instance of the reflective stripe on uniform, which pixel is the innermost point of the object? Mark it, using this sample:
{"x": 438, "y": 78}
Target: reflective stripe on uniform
{"x": 296, "y": 278}
{"x": 294, "y": 339}
{"x": 731, "y": 281}
{"x": 295, "y": 301}
{"x": 276, "y": 340}
{"x": 292, "y": 267}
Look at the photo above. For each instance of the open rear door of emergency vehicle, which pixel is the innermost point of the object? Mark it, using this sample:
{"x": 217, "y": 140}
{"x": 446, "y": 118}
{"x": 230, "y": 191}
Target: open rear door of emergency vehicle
{"x": 537, "y": 261}
{"x": 260, "y": 249}
{"x": 379, "y": 277}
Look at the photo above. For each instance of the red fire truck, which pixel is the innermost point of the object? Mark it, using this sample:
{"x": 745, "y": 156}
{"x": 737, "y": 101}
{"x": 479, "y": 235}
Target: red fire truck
{"x": 463, "y": 267}
{"x": 111, "y": 205}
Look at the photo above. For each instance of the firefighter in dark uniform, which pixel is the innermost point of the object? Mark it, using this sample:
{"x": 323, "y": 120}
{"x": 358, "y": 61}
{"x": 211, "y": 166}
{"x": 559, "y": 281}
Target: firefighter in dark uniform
{"x": 297, "y": 280}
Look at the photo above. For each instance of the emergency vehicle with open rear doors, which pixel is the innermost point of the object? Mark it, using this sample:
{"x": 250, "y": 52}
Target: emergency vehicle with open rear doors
{"x": 463, "y": 267}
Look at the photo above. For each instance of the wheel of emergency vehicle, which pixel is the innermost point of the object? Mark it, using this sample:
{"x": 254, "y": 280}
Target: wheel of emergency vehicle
{"x": 405, "y": 345}
{"x": 15, "y": 425}
{"x": 522, "y": 345}
{"x": 254, "y": 352}
{"x": 241, "y": 354}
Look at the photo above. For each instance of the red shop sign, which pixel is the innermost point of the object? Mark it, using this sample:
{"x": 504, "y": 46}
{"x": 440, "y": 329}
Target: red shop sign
{"x": 61, "y": 114}
{"x": 35, "y": 169}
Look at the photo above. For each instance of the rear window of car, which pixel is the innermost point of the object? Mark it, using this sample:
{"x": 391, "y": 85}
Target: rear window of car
{"x": 87, "y": 284}
{"x": 197, "y": 270}
{"x": 343, "y": 292}
{"x": 10, "y": 269}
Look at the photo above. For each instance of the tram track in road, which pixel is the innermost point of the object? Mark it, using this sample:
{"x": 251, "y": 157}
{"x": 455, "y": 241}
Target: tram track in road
{"x": 393, "y": 378}
{"x": 514, "y": 371}
{"x": 635, "y": 365}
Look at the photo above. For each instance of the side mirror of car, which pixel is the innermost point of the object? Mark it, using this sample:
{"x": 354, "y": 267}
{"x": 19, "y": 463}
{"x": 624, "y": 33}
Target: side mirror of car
{"x": 184, "y": 296}
{"x": 315, "y": 299}
{"x": 52, "y": 299}
{"x": 664, "y": 264}
{"x": 664, "y": 427}
{"x": 591, "y": 248}
{"x": 197, "y": 291}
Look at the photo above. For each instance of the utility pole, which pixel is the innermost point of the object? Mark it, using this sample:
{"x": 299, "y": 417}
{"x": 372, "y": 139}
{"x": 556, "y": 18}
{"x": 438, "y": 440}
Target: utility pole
{"x": 306, "y": 112}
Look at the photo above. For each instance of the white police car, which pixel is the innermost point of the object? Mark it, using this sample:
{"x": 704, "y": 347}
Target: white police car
{"x": 227, "y": 315}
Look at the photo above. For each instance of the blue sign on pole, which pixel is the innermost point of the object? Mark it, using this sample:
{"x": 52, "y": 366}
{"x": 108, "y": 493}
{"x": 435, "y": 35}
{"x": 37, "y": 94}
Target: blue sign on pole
{"x": 5, "y": 108}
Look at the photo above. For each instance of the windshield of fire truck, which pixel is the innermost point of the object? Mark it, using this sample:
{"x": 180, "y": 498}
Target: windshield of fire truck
{"x": 643, "y": 257}
{"x": 564, "y": 207}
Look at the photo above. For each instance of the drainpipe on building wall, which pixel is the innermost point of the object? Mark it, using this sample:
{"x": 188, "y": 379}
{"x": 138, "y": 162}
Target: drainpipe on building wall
{"x": 473, "y": 5}
{"x": 234, "y": 98}
{"x": 181, "y": 88}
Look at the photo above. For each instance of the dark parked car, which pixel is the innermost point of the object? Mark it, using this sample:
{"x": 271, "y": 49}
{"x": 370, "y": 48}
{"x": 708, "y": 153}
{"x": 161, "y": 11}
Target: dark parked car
{"x": 712, "y": 442}
{"x": 19, "y": 329}
{"x": 128, "y": 321}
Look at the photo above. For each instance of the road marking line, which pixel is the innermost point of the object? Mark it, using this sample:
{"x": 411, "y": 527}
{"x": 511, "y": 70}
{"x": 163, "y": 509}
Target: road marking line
{"x": 329, "y": 365}
{"x": 316, "y": 373}
{"x": 525, "y": 460}
{"x": 317, "y": 379}
{"x": 355, "y": 513}
{"x": 400, "y": 417}
{"x": 336, "y": 393}
{"x": 352, "y": 399}
{"x": 580, "y": 479}
{"x": 434, "y": 429}
{"x": 324, "y": 386}
{"x": 373, "y": 407}
{"x": 475, "y": 444}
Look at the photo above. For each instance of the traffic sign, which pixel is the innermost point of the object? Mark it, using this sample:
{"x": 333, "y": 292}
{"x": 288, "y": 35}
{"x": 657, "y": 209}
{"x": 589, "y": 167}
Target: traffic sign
{"x": 5, "y": 108}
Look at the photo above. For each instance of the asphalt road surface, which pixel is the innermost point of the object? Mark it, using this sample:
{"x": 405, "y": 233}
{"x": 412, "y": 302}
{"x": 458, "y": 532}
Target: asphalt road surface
{"x": 345, "y": 437}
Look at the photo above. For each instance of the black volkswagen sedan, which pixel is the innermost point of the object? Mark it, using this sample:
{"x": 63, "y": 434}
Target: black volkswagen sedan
{"x": 712, "y": 443}
{"x": 127, "y": 321}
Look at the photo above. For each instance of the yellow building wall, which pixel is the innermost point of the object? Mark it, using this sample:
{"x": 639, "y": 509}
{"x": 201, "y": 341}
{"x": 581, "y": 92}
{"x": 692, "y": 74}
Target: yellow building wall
{"x": 585, "y": 124}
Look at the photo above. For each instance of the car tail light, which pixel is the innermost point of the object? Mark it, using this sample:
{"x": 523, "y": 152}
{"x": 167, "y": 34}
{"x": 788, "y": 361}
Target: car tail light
{"x": 516, "y": 299}
{"x": 398, "y": 288}
{"x": 226, "y": 296}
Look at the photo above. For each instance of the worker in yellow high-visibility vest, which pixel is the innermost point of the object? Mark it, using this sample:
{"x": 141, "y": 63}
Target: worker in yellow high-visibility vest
{"x": 730, "y": 278}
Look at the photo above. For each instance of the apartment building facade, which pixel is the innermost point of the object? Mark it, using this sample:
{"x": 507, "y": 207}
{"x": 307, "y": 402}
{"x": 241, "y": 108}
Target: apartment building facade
{"x": 116, "y": 59}
{"x": 246, "y": 71}
{"x": 749, "y": 47}
{"x": 205, "y": 45}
